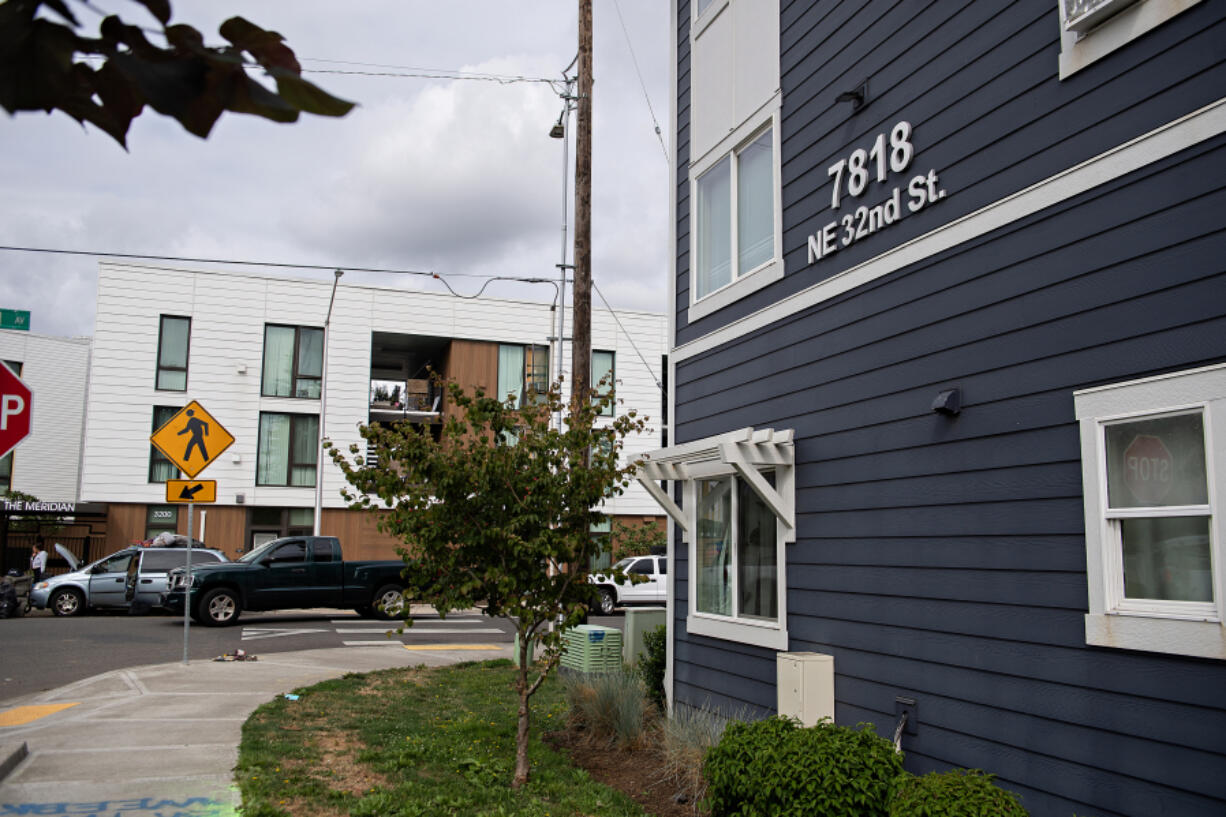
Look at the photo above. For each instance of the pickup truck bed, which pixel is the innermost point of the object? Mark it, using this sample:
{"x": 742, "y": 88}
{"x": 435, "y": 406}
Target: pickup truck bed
{"x": 286, "y": 574}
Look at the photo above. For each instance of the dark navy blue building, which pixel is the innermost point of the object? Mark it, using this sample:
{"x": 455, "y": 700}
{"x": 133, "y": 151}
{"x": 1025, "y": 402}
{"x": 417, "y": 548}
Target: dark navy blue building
{"x": 949, "y": 384}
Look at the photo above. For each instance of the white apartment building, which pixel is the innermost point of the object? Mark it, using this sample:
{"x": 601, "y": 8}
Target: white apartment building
{"x": 46, "y": 464}
{"x": 249, "y": 349}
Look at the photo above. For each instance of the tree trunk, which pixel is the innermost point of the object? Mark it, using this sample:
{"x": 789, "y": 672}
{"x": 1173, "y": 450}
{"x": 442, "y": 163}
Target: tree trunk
{"x": 521, "y": 732}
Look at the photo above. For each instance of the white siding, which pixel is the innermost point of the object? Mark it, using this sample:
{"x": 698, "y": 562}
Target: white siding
{"x": 228, "y": 313}
{"x": 47, "y": 463}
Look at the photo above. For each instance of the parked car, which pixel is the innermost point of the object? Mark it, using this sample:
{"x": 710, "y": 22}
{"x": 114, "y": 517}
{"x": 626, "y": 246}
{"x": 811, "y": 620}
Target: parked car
{"x": 286, "y": 574}
{"x": 134, "y": 574}
{"x": 651, "y": 589}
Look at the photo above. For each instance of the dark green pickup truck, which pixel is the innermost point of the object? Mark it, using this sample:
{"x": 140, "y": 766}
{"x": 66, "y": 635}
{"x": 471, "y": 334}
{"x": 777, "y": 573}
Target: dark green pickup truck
{"x": 286, "y": 574}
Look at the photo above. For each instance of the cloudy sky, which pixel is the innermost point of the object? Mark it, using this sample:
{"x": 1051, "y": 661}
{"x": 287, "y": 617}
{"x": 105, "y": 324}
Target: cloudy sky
{"x": 453, "y": 176}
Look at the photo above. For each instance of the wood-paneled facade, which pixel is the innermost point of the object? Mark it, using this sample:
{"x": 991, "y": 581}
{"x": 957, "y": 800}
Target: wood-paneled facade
{"x": 1080, "y": 241}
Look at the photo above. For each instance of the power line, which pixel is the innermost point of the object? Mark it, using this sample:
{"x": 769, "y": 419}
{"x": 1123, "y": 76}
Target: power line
{"x": 633, "y": 346}
{"x": 633, "y": 58}
{"x": 287, "y": 265}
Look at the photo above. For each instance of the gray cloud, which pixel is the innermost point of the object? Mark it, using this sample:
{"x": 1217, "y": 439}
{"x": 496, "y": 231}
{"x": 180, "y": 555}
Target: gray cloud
{"x": 454, "y": 176}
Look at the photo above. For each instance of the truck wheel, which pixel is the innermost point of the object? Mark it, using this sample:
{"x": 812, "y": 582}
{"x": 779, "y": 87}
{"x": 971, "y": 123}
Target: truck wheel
{"x": 389, "y": 602}
{"x": 67, "y": 602}
{"x": 219, "y": 608}
{"x": 608, "y": 601}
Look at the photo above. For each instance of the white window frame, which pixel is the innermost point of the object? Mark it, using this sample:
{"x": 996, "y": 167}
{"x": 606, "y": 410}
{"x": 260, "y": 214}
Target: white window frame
{"x": 742, "y": 455}
{"x": 1182, "y": 628}
{"x": 1115, "y": 25}
{"x": 742, "y": 282}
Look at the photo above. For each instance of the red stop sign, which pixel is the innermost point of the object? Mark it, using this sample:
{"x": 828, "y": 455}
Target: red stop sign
{"x": 15, "y": 400}
{"x": 1148, "y": 469}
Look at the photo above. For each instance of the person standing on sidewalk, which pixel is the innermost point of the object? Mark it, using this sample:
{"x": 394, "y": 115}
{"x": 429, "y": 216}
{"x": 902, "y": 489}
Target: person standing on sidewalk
{"x": 38, "y": 561}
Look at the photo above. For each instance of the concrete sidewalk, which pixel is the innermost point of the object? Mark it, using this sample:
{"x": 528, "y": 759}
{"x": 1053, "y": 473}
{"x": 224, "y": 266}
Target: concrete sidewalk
{"x": 161, "y": 740}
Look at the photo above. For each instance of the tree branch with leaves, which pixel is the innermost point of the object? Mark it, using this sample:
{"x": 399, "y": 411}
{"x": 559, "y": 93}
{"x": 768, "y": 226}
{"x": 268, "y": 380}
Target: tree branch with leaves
{"x": 108, "y": 80}
{"x": 498, "y": 511}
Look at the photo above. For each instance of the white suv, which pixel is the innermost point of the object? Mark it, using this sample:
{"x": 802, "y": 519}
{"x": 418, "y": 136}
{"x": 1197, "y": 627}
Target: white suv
{"x": 653, "y": 589}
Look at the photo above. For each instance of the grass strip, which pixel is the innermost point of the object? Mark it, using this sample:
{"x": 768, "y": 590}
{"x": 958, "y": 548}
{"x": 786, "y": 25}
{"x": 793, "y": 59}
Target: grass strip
{"x": 412, "y": 743}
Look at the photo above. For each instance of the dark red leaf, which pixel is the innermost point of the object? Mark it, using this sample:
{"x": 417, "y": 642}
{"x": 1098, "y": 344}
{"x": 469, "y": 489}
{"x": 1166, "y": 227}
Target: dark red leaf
{"x": 158, "y": 8}
{"x": 267, "y": 47}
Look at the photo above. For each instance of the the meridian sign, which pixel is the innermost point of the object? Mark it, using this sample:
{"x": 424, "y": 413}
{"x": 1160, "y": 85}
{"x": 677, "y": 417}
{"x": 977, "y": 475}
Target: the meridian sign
{"x": 887, "y": 160}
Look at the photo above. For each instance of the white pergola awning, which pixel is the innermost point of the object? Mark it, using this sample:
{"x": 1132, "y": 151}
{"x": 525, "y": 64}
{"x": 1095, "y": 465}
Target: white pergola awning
{"x": 745, "y": 452}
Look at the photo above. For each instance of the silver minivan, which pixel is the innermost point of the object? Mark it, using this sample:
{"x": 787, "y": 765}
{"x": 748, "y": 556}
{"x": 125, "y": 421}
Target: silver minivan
{"x": 133, "y": 575}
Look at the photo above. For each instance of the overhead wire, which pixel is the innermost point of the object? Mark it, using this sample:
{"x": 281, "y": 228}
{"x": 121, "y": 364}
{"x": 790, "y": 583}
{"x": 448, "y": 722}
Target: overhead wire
{"x": 646, "y": 97}
{"x": 633, "y": 345}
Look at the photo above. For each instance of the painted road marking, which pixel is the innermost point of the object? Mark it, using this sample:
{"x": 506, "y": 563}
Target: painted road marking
{"x": 21, "y": 715}
{"x": 253, "y": 633}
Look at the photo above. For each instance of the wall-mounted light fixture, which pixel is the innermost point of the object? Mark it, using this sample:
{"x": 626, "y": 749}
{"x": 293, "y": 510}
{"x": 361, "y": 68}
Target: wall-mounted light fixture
{"x": 858, "y": 96}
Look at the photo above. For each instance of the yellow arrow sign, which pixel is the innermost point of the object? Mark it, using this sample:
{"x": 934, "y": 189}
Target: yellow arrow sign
{"x": 191, "y": 490}
{"x": 192, "y": 439}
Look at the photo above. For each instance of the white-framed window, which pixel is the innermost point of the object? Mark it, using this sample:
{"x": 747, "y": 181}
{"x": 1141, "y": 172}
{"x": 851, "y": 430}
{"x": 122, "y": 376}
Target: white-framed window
{"x": 604, "y": 379}
{"x": 286, "y": 449}
{"x": 1092, "y": 29}
{"x": 293, "y": 361}
{"x": 738, "y": 514}
{"x": 736, "y": 237}
{"x": 1153, "y": 482}
{"x": 174, "y": 340}
{"x": 736, "y": 233}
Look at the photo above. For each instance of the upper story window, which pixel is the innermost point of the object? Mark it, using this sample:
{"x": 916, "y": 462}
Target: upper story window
{"x": 287, "y": 449}
{"x": 522, "y": 371}
{"x": 293, "y": 361}
{"x": 604, "y": 377}
{"x": 174, "y": 335}
{"x": 160, "y": 466}
{"x": 1153, "y": 481}
{"x": 1092, "y": 29}
{"x": 735, "y": 225}
{"x": 736, "y": 234}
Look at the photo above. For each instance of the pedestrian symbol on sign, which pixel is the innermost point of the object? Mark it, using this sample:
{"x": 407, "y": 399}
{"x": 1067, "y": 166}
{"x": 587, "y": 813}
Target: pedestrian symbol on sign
{"x": 192, "y": 439}
{"x": 199, "y": 429}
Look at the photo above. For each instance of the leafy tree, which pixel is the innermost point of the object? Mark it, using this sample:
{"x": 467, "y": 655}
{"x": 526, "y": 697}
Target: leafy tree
{"x": 499, "y": 510}
{"x": 46, "y": 65}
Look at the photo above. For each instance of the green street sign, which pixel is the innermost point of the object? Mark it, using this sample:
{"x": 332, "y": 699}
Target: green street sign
{"x": 15, "y": 319}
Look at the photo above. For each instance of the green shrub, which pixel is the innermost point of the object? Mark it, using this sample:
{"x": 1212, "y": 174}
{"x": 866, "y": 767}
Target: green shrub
{"x": 611, "y": 706}
{"x": 652, "y": 664}
{"x": 956, "y": 793}
{"x": 776, "y": 768}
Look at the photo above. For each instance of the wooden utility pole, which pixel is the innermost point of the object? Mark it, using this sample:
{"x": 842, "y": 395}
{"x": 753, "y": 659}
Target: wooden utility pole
{"x": 581, "y": 344}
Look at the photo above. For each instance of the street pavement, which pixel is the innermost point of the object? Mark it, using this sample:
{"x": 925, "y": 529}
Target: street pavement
{"x": 162, "y": 740}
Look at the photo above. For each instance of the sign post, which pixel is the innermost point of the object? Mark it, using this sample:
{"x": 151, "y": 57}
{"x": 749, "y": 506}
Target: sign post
{"x": 191, "y": 431}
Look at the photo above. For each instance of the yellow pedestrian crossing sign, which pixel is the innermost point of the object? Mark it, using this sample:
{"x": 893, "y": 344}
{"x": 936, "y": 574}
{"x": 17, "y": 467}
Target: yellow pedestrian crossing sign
{"x": 192, "y": 439}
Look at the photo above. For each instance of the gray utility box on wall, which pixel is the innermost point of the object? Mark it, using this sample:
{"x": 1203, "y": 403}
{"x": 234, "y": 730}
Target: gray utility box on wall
{"x": 805, "y": 684}
{"x": 639, "y": 622}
